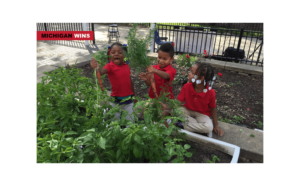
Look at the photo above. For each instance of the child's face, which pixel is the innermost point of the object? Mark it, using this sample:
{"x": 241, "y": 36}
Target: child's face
{"x": 192, "y": 73}
{"x": 117, "y": 55}
{"x": 164, "y": 59}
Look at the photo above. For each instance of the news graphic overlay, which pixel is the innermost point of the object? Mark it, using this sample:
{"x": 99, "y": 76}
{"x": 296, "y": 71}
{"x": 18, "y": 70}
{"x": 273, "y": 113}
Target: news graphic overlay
{"x": 65, "y": 35}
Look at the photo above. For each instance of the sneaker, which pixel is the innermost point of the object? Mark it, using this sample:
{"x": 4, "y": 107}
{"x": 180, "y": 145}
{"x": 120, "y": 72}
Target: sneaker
{"x": 179, "y": 124}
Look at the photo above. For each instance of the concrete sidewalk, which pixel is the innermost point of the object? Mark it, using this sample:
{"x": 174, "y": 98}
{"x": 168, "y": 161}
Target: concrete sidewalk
{"x": 55, "y": 52}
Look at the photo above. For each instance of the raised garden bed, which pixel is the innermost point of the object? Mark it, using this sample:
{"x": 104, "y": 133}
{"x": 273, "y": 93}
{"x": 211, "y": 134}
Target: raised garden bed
{"x": 239, "y": 96}
{"x": 200, "y": 153}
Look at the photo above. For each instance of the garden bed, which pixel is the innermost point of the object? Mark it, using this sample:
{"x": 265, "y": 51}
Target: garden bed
{"x": 201, "y": 154}
{"x": 239, "y": 96}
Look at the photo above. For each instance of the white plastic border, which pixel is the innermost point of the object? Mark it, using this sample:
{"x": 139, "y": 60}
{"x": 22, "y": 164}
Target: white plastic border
{"x": 230, "y": 149}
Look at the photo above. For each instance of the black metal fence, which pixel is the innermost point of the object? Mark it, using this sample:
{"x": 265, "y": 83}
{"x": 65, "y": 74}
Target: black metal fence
{"x": 249, "y": 26}
{"x": 246, "y": 26}
{"x": 217, "y": 42}
{"x": 65, "y": 27}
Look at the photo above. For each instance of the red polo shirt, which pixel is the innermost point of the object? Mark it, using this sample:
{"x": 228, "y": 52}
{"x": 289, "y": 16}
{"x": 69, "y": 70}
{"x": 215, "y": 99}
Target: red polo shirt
{"x": 119, "y": 77}
{"x": 199, "y": 102}
{"x": 163, "y": 82}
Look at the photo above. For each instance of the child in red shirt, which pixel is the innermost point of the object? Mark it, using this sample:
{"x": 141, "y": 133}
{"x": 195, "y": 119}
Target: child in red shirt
{"x": 200, "y": 101}
{"x": 118, "y": 73}
{"x": 164, "y": 73}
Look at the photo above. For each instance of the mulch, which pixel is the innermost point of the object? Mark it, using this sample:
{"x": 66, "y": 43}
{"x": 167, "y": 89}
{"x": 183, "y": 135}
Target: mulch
{"x": 239, "y": 96}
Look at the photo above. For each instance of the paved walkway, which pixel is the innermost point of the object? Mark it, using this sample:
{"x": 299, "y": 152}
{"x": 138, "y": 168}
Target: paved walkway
{"x": 54, "y": 52}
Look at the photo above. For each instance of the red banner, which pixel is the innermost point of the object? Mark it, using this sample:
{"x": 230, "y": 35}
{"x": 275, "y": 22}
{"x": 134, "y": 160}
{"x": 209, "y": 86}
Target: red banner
{"x": 65, "y": 35}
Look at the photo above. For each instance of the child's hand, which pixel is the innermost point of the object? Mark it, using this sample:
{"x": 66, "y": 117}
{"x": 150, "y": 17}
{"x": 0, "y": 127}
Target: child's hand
{"x": 143, "y": 76}
{"x": 150, "y": 69}
{"x": 164, "y": 106}
{"x": 219, "y": 131}
{"x": 94, "y": 63}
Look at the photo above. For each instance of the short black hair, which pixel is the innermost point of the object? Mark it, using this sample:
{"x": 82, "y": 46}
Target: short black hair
{"x": 120, "y": 45}
{"x": 167, "y": 47}
{"x": 205, "y": 70}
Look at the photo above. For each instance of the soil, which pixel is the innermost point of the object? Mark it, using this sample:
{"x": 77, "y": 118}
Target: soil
{"x": 239, "y": 96}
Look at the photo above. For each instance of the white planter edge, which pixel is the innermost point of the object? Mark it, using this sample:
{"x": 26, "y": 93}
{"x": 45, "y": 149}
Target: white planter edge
{"x": 227, "y": 148}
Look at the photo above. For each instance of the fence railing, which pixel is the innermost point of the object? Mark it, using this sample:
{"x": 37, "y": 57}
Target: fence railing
{"x": 246, "y": 26}
{"x": 128, "y": 24}
{"x": 65, "y": 27}
{"x": 194, "y": 40}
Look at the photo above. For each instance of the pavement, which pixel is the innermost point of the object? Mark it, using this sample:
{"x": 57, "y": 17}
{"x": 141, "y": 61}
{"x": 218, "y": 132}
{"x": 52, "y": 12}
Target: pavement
{"x": 251, "y": 147}
{"x": 52, "y": 54}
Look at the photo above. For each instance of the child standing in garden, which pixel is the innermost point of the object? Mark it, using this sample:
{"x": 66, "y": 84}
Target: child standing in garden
{"x": 200, "y": 100}
{"x": 163, "y": 72}
{"x": 118, "y": 73}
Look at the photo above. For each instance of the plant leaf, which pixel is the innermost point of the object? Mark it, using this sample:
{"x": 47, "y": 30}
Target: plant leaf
{"x": 252, "y": 135}
{"x": 101, "y": 142}
{"x": 71, "y": 133}
{"x": 188, "y": 154}
{"x": 138, "y": 139}
{"x": 136, "y": 151}
{"x": 119, "y": 153}
{"x": 187, "y": 146}
{"x": 91, "y": 130}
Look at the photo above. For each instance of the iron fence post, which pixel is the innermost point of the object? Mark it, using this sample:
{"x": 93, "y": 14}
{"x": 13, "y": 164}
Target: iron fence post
{"x": 153, "y": 40}
{"x": 261, "y": 45}
{"x": 239, "y": 44}
{"x": 94, "y": 32}
{"x": 45, "y": 26}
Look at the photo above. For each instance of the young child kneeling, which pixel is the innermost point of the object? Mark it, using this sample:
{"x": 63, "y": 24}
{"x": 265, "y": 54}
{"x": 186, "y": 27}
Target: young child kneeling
{"x": 200, "y": 100}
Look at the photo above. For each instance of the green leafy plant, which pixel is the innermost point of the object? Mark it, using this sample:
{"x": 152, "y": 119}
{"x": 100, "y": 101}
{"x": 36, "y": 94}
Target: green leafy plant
{"x": 251, "y": 135}
{"x": 101, "y": 57}
{"x": 238, "y": 119}
{"x": 75, "y": 124}
{"x": 259, "y": 124}
{"x": 225, "y": 120}
{"x": 181, "y": 78}
{"x": 214, "y": 158}
{"x": 138, "y": 48}
{"x": 185, "y": 61}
